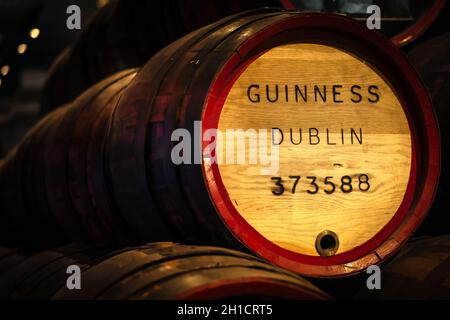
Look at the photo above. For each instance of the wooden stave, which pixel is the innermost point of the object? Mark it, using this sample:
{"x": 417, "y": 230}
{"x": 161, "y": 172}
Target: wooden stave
{"x": 98, "y": 186}
{"x": 56, "y": 164}
{"x": 418, "y": 272}
{"x": 76, "y": 172}
{"x": 77, "y": 175}
{"x": 56, "y": 181}
{"x": 48, "y": 228}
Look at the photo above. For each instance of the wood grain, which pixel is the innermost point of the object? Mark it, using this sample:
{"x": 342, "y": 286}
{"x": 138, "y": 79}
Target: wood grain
{"x": 293, "y": 221}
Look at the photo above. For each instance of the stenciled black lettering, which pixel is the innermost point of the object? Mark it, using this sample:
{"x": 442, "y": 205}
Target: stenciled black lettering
{"x": 328, "y": 139}
{"x": 256, "y": 98}
{"x": 273, "y": 136}
{"x": 304, "y": 95}
{"x": 357, "y": 97}
{"x": 323, "y": 95}
{"x": 375, "y": 96}
{"x": 268, "y": 94}
{"x": 300, "y": 138}
{"x": 354, "y": 134}
{"x": 314, "y": 135}
{"x": 337, "y": 93}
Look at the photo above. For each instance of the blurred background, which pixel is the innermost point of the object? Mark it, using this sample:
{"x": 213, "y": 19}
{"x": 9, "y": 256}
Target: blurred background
{"x": 32, "y": 34}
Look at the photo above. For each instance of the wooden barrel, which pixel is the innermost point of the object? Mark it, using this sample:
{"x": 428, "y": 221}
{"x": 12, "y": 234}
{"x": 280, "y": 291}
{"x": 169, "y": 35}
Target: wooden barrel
{"x": 331, "y": 165}
{"x": 40, "y": 275}
{"x": 357, "y": 139}
{"x": 125, "y": 34}
{"x": 53, "y": 185}
{"x": 421, "y": 271}
{"x": 431, "y": 60}
{"x": 180, "y": 272}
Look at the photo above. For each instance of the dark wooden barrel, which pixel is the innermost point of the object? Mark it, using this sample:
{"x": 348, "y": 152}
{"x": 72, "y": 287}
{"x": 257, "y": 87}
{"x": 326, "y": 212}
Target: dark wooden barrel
{"x": 53, "y": 184}
{"x": 40, "y": 275}
{"x": 348, "y": 187}
{"x": 421, "y": 271}
{"x": 125, "y": 34}
{"x": 180, "y": 272}
{"x": 432, "y": 61}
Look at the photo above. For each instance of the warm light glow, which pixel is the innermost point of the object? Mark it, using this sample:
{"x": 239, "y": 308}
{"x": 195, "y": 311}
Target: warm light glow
{"x": 34, "y": 33}
{"x": 101, "y": 3}
{"x": 4, "y": 70}
{"x": 21, "y": 48}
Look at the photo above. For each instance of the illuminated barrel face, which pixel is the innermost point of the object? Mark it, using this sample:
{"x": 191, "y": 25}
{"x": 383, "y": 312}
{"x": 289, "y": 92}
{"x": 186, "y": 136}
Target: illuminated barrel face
{"x": 315, "y": 163}
{"x": 344, "y": 149}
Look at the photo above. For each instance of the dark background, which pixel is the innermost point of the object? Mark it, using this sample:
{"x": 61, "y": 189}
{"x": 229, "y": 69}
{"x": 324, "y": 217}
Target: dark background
{"x": 20, "y": 89}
